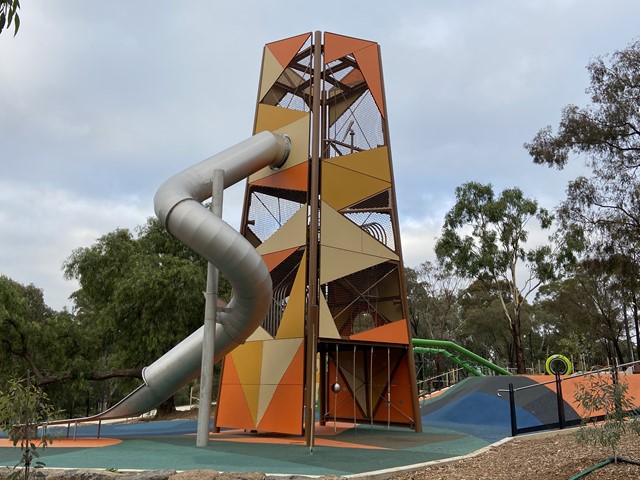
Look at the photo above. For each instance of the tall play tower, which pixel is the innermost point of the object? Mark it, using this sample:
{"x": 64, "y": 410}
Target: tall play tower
{"x": 335, "y": 344}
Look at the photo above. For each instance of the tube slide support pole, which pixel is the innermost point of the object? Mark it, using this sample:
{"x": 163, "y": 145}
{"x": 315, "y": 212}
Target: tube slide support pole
{"x": 312, "y": 272}
{"x": 209, "y": 341}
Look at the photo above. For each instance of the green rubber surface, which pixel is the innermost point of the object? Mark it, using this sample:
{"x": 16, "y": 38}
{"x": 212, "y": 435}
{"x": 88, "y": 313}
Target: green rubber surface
{"x": 380, "y": 449}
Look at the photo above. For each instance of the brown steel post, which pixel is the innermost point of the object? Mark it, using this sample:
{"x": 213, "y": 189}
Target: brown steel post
{"x": 312, "y": 273}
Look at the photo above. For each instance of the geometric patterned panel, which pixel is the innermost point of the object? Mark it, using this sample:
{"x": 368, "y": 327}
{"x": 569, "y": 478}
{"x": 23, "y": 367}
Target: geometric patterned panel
{"x": 337, "y": 263}
{"x": 292, "y": 322}
{"x": 259, "y": 335}
{"x": 287, "y": 397}
{"x": 271, "y": 70}
{"x": 369, "y": 63}
{"x": 337, "y": 46}
{"x": 248, "y": 361}
{"x": 295, "y": 125}
{"x": 339, "y": 232}
{"x": 276, "y": 358}
{"x": 373, "y": 163}
{"x": 342, "y": 187}
{"x": 233, "y": 410}
{"x": 394, "y": 332}
{"x": 290, "y": 235}
{"x": 327, "y": 327}
{"x": 284, "y": 50}
{"x": 295, "y": 177}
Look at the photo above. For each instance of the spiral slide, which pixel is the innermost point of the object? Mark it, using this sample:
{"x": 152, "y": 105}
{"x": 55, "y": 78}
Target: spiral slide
{"x": 178, "y": 205}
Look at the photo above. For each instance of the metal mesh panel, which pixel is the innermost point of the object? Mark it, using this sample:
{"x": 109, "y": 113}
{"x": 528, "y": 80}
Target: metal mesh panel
{"x": 376, "y": 224}
{"x": 292, "y": 90}
{"x": 282, "y": 277}
{"x": 381, "y": 200}
{"x": 358, "y": 128}
{"x": 269, "y": 209}
{"x": 356, "y": 300}
{"x": 355, "y": 123}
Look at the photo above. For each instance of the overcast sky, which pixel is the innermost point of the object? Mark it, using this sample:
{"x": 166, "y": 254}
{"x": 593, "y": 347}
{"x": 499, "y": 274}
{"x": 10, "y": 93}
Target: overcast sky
{"x": 100, "y": 102}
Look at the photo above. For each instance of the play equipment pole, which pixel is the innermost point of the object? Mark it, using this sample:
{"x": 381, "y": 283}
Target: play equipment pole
{"x": 208, "y": 345}
{"x": 312, "y": 273}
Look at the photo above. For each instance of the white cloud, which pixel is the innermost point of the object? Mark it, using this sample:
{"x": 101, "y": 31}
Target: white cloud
{"x": 99, "y": 105}
{"x": 42, "y": 225}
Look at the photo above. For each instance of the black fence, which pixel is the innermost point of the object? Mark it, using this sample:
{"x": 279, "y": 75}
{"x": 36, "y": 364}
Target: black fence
{"x": 562, "y": 420}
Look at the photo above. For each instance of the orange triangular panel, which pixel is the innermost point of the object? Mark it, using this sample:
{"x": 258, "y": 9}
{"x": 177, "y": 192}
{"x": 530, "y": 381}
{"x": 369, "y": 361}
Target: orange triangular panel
{"x": 354, "y": 77}
{"x": 292, "y": 323}
{"x": 374, "y": 162}
{"x": 399, "y": 409}
{"x": 272, "y": 260}
{"x": 285, "y": 50}
{"x": 277, "y": 357}
{"x": 233, "y": 410}
{"x": 284, "y": 413}
{"x": 336, "y": 46}
{"x": 294, "y": 178}
{"x": 369, "y": 63}
{"x": 395, "y": 332}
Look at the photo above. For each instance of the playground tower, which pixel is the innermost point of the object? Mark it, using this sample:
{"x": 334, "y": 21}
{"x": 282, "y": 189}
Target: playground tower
{"x": 335, "y": 343}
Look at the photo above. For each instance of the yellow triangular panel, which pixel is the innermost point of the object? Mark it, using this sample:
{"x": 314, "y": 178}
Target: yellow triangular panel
{"x": 271, "y": 118}
{"x": 292, "y": 322}
{"x": 292, "y": 234}
{"x": 328, "y": 327}
{"x": 276, "y": 358}
{"x": 342, "y": 187}
{"x": 339, "y": 232}
{"x": 271, "y": 70}
{"x": 248, "y": 361}
{"x": 374, "y": 163}
{"x": 298, "y": 131}
{"x": 337, "y": 263}
{"x": 259, "y": 335}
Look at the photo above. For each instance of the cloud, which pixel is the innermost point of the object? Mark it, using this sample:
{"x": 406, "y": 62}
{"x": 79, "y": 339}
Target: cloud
{"x": 100, "y": 104}
{"x": 42, "y": 226}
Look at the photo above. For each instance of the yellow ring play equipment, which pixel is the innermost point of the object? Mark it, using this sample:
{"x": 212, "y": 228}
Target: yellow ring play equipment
{"x": 558, "y": 364}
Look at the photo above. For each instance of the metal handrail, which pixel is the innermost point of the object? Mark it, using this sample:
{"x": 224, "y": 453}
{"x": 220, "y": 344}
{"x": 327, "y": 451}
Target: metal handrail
{"x": 575, "y": 375}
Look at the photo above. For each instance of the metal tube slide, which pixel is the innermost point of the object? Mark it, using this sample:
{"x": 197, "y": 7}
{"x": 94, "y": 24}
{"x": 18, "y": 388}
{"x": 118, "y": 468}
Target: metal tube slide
{"x": 446, "y": 344}
{"x": 178, "y": 206}
{"x": 450, "y": 356}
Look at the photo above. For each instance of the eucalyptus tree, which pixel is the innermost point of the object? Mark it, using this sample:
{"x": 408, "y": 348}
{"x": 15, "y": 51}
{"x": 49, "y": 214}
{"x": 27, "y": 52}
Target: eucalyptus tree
{"x": 142, "y": 293}
{"x": 484, "y": 238}
{"x": 603, "y": 208}
{"x": 588, "y": 313}
{"x": 9, "y": 15}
